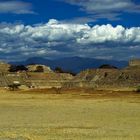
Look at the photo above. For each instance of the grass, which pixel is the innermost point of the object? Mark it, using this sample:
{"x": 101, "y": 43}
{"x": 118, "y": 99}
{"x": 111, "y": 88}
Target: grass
{"x": 71, "y": 115}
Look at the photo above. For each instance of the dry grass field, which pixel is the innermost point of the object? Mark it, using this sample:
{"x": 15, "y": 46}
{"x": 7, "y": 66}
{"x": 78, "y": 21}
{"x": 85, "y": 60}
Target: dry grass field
{"x": 71, "y": 115}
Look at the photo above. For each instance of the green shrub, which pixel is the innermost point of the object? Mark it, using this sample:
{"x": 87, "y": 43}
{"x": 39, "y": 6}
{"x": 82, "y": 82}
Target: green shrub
{"x": 13, "y": 87}
{"x": 138, "y": 89}
{"x": 39, "y": 69}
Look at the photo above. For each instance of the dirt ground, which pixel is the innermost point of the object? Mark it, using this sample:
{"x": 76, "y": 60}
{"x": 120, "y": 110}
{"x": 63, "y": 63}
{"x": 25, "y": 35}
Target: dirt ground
{"x": 71, "y": 115}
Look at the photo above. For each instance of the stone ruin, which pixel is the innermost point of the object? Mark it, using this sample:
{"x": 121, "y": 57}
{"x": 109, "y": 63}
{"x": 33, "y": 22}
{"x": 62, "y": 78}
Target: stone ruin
{"x": 4, "y": 67}
{"x": 104, "y": 78}
{"x": 134, "y": 62}
{"x": 127, "y": 78}
{"x": 32, "y": 79}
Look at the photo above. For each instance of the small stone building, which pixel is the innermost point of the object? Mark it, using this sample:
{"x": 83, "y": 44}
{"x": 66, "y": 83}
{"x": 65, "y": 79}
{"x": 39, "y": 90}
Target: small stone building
{"x": 134, "y": 62}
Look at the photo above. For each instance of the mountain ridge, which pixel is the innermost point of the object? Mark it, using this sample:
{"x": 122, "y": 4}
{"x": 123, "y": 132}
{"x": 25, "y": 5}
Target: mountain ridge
{"x": 73, "y": 64}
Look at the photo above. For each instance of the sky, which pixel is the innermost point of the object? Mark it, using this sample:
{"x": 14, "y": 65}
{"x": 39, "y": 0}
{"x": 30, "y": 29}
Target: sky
{"x": 101, "y": 29}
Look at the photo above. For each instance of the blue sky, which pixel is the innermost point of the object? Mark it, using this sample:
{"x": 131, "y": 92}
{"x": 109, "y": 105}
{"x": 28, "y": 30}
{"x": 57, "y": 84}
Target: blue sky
{"x": 103, "y": 29}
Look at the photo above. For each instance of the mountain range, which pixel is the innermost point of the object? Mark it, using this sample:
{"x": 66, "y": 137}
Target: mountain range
{"x": 73, "y": 64}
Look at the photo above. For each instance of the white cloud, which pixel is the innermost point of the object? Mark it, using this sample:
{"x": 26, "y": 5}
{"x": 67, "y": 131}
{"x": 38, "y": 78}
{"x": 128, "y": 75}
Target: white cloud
{"x": 108, "y": 9}
{"x": 16, "y": 7}
{"x": 55, "y": 31}
{"x": 60, "y": 38}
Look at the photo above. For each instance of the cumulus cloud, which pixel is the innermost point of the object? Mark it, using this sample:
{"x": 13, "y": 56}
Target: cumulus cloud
{"x": 16, "y": 7}
{"x": 62, "y": 39}
{"x": 109, "y": 9}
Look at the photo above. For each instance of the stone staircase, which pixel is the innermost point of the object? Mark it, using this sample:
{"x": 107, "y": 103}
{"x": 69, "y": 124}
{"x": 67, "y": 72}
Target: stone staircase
{"x": 8, "y": 79}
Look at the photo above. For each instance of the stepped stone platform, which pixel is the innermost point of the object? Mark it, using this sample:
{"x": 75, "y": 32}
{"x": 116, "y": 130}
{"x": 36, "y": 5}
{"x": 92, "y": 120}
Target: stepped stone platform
{"x": 4, "y": 67}
{"x": 103, "y": 78}
{"x": 9, "y": 78}
{"x": 134, "y": 62}
{"x": 45, "y": 79}
{"x": 36, "y": 80}
{"x": 106, "y": 79}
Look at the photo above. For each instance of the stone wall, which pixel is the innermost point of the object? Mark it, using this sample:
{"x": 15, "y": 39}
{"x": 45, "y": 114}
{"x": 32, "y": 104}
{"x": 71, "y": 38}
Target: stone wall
{"x": 134, "y": 62}
{"x": 47, "y": 80}
{"x": 106, "y": 79}
{"x": 34, "y": 79}
{"x": 4, "y": 67}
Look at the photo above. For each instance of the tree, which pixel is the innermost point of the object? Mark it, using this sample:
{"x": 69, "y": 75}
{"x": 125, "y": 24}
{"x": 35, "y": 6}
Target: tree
{"x": 39, "y": 69}
{"x": 72, "y": 73}
{"x": 14, "y": 86}
{"x": 15, "y": 68}
{"x": 107, "y": 66}
{"x": 138, "y": 89}
{"x": 12, "y": 68}
{"x": 21, "y": 68}
{"x": 58, "y": 70}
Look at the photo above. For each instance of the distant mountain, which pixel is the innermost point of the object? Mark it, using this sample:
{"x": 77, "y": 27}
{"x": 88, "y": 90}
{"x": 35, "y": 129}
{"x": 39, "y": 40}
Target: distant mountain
{"x": 74, "y": 64}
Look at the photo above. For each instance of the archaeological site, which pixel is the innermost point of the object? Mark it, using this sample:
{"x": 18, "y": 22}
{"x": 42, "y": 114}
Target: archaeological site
{"x": 41, "y": 76}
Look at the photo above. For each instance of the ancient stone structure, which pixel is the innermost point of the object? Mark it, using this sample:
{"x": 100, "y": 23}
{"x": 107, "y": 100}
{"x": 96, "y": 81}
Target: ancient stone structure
{"x": 105, "y": 78}
{"x": 34, "y": 79}
{"x": 134, "y": 62}
{"x": 9, "y": 78}
{"x": 47, "y": 80}
{"x": 33, "y": 68}
{"x": 4, "y": 67}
